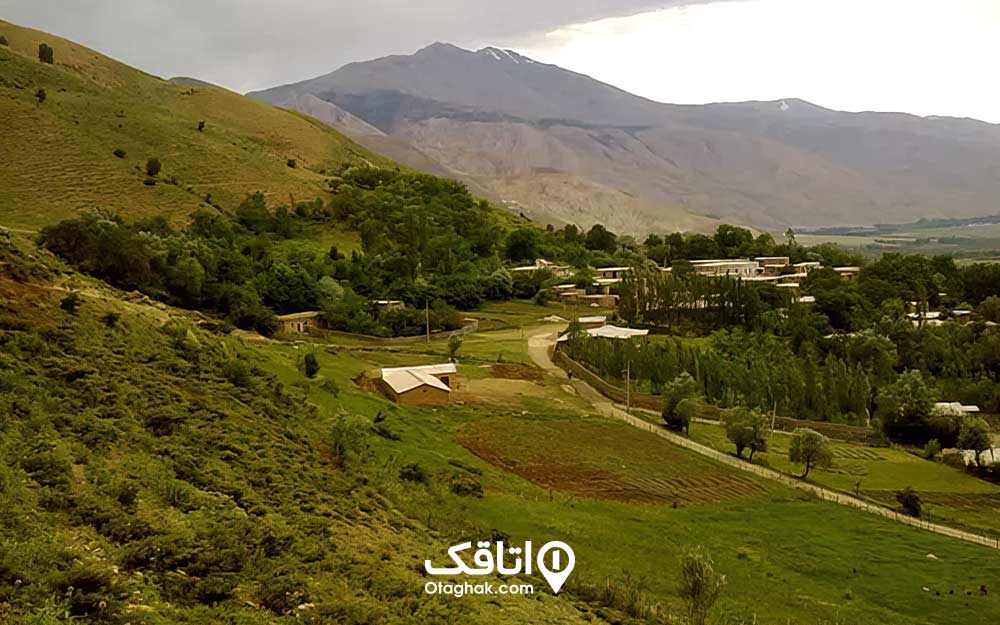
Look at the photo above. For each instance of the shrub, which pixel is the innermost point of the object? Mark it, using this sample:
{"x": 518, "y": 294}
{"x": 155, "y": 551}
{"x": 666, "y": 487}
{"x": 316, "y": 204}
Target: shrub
{"x": 237, "y": 372}
{"x": 45, "y": 53}
{"x": 153, "y": 166}
{"x": 201, "y": 125}
{"x": 70, "y": 303}
{"x": 310, "y": 365}
{"x": 910, "y": 501}
{"x": 120, "y": 153}
{"x": 40, "y": 95}
{"x": 413, "y": 472}
{"x": 330, "y": 387}
{"x": 932, "y": 449}
{"x": 701, "y": 585}
{"x": 3, "y": 40}
{"x": 465, "y": 485}
{"x": 284, "y": 593}
{"x": 292, "y": 163}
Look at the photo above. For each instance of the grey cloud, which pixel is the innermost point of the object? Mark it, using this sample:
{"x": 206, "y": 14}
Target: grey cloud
{"x": 250, "y": 44}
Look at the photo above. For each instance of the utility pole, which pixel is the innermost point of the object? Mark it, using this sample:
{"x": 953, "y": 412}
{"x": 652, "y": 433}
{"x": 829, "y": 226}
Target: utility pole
{"x": 628, "y": 387}
{"x": 427, "y": 319}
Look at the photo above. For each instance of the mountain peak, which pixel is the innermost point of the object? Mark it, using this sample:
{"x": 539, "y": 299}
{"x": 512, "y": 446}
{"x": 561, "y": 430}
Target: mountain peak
{"x": 442, "y": 47}
{"x": 500, "y": 54}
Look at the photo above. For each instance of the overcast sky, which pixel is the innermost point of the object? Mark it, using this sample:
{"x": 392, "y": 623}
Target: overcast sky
{"x": 921, "y": 56}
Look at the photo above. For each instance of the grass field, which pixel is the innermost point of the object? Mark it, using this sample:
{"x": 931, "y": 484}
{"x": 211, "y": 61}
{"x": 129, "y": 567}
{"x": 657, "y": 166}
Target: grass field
{"x": 950, "y": 496}
{"x": 56, "y": 157}
{"x": 549, "y": 471}
{"x": 973, "y": 241}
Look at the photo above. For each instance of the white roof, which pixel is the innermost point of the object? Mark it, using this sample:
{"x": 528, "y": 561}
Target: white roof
{"x": 723, "y": 262}
{"x": 954, "y": 408}
{"x": 613, "y": 268}
{"x": 593, "y": 319}
{"x": 808, "y": 263}
{"x": 386, "y": 302}
{"x": 847, "y": 269}
{"x": 614, "y": 332}
{"x": 606, "y": 281}
{"x": 402, "y": 379}
{"x": 787, "y": 285}
{"x": 807, "y": 299}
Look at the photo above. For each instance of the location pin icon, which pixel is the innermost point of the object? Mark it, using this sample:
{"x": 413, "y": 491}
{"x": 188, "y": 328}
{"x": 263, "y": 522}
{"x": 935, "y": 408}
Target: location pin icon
{"x": 563, "y": 560}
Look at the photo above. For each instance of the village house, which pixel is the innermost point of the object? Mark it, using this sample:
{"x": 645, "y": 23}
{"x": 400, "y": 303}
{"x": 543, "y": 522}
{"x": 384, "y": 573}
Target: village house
{"x": 848, "y": 273}
{"x": 611, "y": 273}
{"x": 731, "y": 267}
{"x": 427, "y": 385}
{"x": 594, "y": 321}
{"x": 299, "y": 323}
{"x": 388, "y": 304}
{"x": 772, "y": 265}
{"x": 807, "y": 266}
{"x": 559, "y": 271}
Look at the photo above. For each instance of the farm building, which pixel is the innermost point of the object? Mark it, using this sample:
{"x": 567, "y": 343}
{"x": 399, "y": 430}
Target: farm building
{"x": 299, "y": 323}
{"x": 428, "y": 385}
{"x": 731, "y": 267}
{"x": 609, "y": 332}
{"x": 848, "y": 273}
{"x": 595, "y": 321}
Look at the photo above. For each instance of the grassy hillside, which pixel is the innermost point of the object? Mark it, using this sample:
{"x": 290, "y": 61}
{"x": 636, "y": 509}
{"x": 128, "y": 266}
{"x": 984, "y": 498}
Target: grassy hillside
{"x": 57, "y": 157}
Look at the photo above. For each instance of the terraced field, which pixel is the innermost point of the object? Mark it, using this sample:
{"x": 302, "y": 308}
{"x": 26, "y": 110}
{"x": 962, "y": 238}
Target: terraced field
{"x": 603, "y": 460}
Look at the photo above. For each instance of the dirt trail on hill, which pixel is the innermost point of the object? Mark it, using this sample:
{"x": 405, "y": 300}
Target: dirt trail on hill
{"x": 539, "y": 347}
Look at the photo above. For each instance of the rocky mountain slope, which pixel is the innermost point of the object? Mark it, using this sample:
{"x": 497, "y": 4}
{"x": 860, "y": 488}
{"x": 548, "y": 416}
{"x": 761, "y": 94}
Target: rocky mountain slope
{"x": 502, "y": 120}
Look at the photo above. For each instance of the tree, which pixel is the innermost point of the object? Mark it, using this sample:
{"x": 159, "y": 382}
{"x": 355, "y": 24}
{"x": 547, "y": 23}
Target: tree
{"x": 454, "y": 344}
{"x": 700, "y": 585}
{"x": 601, "y": 239}
{"x": 153, "y": 166}
{"x": 904, "y": 407}
{"x": 810, "y": 448}
{"x": 989, "y": 309}
{"x": 975, "y": 435}
{"x": 746, "y": 429}
{"x": 910, "y": 501}
{"x": 45, "y": 53}
{"x": 685, "y": 413}
{"x": 310, "y": 365}
{"x": 40, "y": 95}
{"x": 682, "y": 388}
{"x": 522, "y": 244}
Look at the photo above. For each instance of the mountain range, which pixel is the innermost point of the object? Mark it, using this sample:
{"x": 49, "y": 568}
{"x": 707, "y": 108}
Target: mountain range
{"x": 562, "y": 147}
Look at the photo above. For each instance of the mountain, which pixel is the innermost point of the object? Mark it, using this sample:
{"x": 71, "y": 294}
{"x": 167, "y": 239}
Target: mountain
{"x": 506, "y": 121}
{"x": 86, "y": 145}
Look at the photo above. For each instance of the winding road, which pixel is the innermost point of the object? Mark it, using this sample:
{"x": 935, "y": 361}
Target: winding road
{"x": 540, "y": 346}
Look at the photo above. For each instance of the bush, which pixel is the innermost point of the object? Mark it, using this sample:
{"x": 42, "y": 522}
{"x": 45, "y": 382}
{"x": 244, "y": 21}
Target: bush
{"x": 70, "y": 303}
{"x": 292, "y": 163}
{"x": 413, "y": 472}
{"x": 3, "y": 40}
{"x": 701, "y": 585}
{"x": 910, "y": 501}
{"x": 153, "y": 166}
{"x": 330, "y": 387}
{"x": 932, "y": 449}
{"x": 40, "y": 95}
{"x": 46, "y": 54}
{"x": 465, "y": 485}
{"x": 310, "y": 365}
{"x": 120, "y": 153}
{"x": 237, "y": 372}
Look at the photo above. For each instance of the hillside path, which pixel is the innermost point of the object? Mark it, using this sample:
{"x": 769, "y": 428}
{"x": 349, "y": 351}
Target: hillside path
{"x": 539, "y": 348}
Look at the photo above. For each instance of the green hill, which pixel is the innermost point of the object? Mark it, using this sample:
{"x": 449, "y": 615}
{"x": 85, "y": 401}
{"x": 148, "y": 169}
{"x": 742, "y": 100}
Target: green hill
{"x": 57, "y": 157}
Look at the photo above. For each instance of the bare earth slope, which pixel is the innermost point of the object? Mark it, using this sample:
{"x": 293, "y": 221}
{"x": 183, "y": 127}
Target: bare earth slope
{"x": 496, "y": 113}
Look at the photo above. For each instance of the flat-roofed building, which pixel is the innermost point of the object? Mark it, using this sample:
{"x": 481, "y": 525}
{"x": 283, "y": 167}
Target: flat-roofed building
{"x": 849, "y": 274}
{"x": 299, "y": 323}
{"x": 726, "y": 267}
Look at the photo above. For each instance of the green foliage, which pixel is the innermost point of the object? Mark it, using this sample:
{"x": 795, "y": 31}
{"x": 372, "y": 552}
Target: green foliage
{"x": 46, "y": 54}
{"x": 310, "y": 365}
{"x": 932, "y": 449}
{"x": 746, "y": 429}
{"x": 454, "y": 344}
{"x": 522, "y": 244}
{"x": 975, "y": 435}
{"x": 350, "y": 439}
{"x": 683, "y": 389}
{"x": 989, "y": 309}
{"x": 910, "y": 501}
{"x": 119, "y": 153}
{"x": 153, "y": 166}
{"x": 810, "y": 448}
{"x": 413, "y": 472}
{"x": 700, "y": 585}
{"x": 905, "y": 407}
